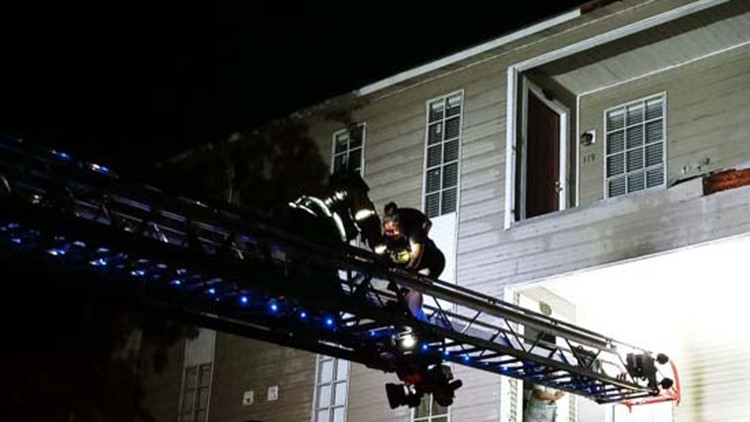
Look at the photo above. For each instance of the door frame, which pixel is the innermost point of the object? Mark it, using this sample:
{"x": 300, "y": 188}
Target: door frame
{"x": 530, "y": 88}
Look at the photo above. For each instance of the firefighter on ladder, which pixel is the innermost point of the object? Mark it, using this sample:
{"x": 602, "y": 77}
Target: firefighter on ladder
{"x": 406, "y": 233}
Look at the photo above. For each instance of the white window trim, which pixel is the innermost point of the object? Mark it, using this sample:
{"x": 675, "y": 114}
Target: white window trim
{"x": 564, "y": 113}
{"x": 460, "y": 149}
{"x": 514, "y": 70}
{"x": 605, "y": 179}
{"x": 316, "y": 384}
{"x": 363, "y": 125}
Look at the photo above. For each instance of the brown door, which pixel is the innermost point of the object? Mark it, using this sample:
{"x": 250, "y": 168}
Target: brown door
{"x": 542, "y": 158}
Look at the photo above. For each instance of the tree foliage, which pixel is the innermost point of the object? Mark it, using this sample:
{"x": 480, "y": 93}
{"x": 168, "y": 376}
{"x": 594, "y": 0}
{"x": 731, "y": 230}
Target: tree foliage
{"x": 258, "y": 171}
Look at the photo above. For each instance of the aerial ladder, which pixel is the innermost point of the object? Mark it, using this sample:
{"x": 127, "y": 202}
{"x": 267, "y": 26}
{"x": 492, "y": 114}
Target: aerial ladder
{"x": 216, "y": 268}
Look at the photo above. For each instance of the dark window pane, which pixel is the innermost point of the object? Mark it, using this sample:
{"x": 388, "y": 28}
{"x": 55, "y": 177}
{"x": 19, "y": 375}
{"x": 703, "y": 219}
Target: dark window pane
{"x": 191, "y": 377}
{"x": 355, "y": 137}
{"x": 615, "y": 165}
{"x": 436, "y": 110}
{"x": 454, "y": 106}
{"x": 615, "y": 142}
{"x": 203, "y": 398}
{"x": 654, "y": 132}
{"x": 655, "y": 177}
{"x": 205, "y": 376}
{"x": 435, "y": 133}
{"x": 355, "y": 159}
{"x": 635, "y": 160}
{"x": 634, "y": 136}
{"x": 616, "y": 187}
{"x": 634, "y": 114}
{"x": 450, "y": 175}
{"x": 341, "y": 141}
{"x": 654, "y": 108}
{"x": 432, "y": 205}
{"x": 339, "y": 163}
{"x": 451, "y": 151}
{"x": 449, "y": 201}
{"x": 452, "y": 127}
{"x": 433, "y": 180}
{"x": 433, "y": 156}
{"x": 615, "y": 120}
{"x": 654, "y": 154}
{"x": 636, "y": 182}
{"x": 188, "y": 400}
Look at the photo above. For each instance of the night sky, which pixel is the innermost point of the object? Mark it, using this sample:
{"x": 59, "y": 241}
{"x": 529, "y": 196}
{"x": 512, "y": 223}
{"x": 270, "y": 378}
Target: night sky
{"x": 128, "y": 83}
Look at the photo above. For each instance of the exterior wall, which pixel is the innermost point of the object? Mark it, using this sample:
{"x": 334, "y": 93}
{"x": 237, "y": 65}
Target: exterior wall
{"x": 163, "y": 387}
{"x": 706, "y": 117}
{"x": 242, "y": 365}
{"x": 367, "y": 399}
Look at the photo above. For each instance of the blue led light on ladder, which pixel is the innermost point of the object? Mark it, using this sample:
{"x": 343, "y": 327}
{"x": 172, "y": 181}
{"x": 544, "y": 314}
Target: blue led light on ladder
{"x": 99, "y": 262}
{"x": 56, "y": 252}
{"x": 273, "y": 306}
{"x": 62, "y": 155}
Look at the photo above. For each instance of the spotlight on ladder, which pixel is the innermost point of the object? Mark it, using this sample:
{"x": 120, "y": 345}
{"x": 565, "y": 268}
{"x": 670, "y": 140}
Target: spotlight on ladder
{"x": 406, "y": 340}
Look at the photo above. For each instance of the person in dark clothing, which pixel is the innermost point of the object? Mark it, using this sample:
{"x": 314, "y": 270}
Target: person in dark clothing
{"x": 406, "y": 233}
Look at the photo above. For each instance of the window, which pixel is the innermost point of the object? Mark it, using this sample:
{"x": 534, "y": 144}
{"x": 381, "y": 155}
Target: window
{"x": 331, "y": 388}
{"x": 348, "y": 149}
{"x": 430, "y": 411}
{"x": 442, "y": 153}
{"x": 635, "y": 146}
{"x": 196, "y": 386}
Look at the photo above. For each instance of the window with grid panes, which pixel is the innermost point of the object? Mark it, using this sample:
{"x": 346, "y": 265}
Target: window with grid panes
{"x": 348, "y": 149}
{"x": 430, "y": 411}
{"x": 441, "y": 161}
{"x": 195, "y": 393}
{"x": 635, "y": 144}
{"x": 331, "y": 389}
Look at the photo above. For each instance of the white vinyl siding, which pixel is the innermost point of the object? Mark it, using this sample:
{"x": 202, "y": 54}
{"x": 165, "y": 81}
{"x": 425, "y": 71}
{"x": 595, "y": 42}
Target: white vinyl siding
{"x": 635, "y": 138}
{"x": 348, "y": 149}
{"x": 331, "y": 389}
{"x": 443, "y": 143}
